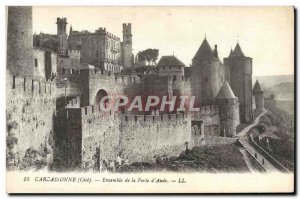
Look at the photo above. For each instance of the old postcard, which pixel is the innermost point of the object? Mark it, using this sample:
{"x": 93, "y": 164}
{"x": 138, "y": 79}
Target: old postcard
{"x": 150, "y": 100}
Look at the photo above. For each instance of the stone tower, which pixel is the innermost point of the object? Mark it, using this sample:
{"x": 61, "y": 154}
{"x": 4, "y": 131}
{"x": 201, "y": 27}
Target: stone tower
{"x": 20, "y": 41}
{"x": 127, "y": 56}
{"x": 62, "y": 35}
{"x": 240, "y": 79}
{"x": 207, "y": 74}
{"x": 258, "y": 93}
{"x": 229, "y": 111}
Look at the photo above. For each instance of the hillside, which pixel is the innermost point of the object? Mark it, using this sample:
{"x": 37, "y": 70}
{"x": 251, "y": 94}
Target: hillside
{"x": 281, "y": 86}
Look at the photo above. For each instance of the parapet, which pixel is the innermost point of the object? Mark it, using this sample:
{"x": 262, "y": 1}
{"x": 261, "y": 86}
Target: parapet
{"x": 74, "y": 103}
{"x": 154, "y": 118}
{"x": 61, "y": 20}
{"x": 74, "y": 53}
{"x": 127, "y": 28}
{"x": 127, "y": 79}
{"x": 209, "y": 110}
{"x": 94, "y": 112}
{"x": 30, "y": 86}
{"x": 103, "y": 31}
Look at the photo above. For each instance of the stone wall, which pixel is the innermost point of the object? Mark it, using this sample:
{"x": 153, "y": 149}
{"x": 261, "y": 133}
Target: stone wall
{"x": 241, "y": 84}
{"x": 145, "y": 137}
{"x": 229, "y": 117}
{"x": 207, "y": 79}
{"x": 19, "y": 40}
{"x": 211, "y": 119}
{"x": 30, "y": 109}
{"x": 259, "y": 100}
{"x": 98, "y": 138}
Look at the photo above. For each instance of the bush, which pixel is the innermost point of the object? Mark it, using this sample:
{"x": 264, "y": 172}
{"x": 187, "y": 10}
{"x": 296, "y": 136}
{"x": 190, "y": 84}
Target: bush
{"x": 262, "y": 128}
{"x": 265, "y": 120}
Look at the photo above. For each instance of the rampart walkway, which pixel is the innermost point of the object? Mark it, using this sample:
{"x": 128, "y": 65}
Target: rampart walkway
{"x": 259, "y": 155}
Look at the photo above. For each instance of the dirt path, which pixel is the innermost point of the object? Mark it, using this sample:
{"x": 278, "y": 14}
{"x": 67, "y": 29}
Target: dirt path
{"x": 259, "y": 157}
{"x": 243, "y": 132}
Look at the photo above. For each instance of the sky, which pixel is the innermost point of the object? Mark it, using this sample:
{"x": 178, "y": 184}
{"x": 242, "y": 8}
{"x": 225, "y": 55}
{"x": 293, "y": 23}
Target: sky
{"x": 264, "y": 33}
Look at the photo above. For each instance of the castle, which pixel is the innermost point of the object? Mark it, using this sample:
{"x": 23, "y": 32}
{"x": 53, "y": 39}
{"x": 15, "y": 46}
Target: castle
{"x": 55, "y": 83}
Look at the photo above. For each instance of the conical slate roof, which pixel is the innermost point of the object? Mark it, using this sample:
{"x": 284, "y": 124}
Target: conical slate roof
{"x": 205, "y": 52}
{"x": 237, "y": 52}
{"x": 169, "y": 61}
{"x": 225, "y": 92}
{"x": 257, "y": 87}
{"x": 230, "y": 54}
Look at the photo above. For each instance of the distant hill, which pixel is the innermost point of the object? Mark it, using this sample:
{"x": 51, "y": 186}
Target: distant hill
{"x": 281, "y": 86}
{"x": 272, "y": 80}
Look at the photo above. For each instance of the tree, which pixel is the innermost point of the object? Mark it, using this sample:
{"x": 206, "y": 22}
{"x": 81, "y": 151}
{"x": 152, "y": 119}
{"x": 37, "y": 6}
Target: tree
{"x": 272, "y": 96}
{"x": 149, "y": 55}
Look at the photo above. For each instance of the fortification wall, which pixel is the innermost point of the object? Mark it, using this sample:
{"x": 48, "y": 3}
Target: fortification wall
{"x": 19, "y": 40}
{"x": 185, "y": 86}
{"x": 211, "y": 119}
{"x": 241, "y": 84}
{"x": 100, "y": 137}
{"x": 229, "y": 119}
{"x": 103, "y": 136}
{"x": 30, "y": 109}
{"x": 259, "y": 100}
{"x": 207, "y": 79}
{"x": 145, "y": 137}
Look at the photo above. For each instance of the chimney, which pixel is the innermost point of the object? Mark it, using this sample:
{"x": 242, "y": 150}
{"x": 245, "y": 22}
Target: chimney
{"x": 216, "y": 51}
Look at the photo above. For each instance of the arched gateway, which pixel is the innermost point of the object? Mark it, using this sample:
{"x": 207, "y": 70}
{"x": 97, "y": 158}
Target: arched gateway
{"x": 100, "y": 94}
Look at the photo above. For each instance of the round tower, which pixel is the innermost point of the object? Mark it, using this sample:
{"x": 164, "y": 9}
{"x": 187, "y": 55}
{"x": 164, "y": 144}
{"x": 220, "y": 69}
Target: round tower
{"x": 206, "y": 77}
{"x": 258, "y": 93}
{"x": 20, "y": 41}
{"x": 239, "y": 75}
{"x": 228, "y": 111}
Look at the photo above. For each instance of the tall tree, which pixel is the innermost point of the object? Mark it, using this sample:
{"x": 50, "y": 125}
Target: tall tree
{"x": 149, "y": 55}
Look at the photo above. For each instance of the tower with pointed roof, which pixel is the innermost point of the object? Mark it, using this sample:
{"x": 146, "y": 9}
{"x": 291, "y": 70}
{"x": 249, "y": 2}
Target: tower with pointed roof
{"x": 228, "y": 111}
{"x": 258, "y": 93}
{"x": 239, "y": 76}
{"x": 207, "y": 74}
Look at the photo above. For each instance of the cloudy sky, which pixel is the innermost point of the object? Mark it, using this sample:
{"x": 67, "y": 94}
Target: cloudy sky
{"x": 265, "y": 33}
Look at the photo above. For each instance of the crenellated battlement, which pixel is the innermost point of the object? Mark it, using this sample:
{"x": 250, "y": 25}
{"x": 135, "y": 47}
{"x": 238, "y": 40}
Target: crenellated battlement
{"x": 205, "y": 111}
{"x": 30, "y": 86}
{"x": 102, "y": 30}
{"x": 153, "y": 118}
{"x": 74, "y": 54}
{"x": 74, "y": 103}
{"x": 94, "y": 110}
{"x": 209, "y": 110}
{"x": 127, "y": 79}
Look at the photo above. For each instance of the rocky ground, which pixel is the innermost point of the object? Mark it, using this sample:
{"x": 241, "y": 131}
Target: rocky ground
{"x": 222, "y": 158}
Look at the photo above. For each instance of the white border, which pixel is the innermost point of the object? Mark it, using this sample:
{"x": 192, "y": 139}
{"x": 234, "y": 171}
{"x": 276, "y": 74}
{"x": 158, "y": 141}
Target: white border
{"x": 4, "y": 3}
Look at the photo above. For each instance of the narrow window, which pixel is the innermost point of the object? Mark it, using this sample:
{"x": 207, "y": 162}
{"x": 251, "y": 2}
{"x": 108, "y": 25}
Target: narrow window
{"x": 35, "y": 62}
{"x": 14, "y": 82}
